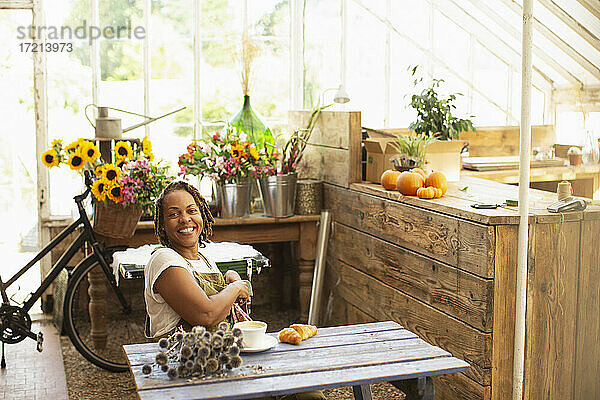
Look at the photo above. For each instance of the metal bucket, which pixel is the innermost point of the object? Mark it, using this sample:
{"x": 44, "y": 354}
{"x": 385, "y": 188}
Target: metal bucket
{"x": 234, "y": 199}
{"x": 278, "y": 195}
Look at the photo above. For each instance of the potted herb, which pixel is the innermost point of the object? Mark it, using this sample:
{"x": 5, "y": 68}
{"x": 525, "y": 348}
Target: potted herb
{"x": 435, "y": 120}
{"x": 411, "y": 151}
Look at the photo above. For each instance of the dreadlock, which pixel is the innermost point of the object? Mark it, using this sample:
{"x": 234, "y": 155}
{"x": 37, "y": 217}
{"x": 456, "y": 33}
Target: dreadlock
{"x": 159, "y": 219}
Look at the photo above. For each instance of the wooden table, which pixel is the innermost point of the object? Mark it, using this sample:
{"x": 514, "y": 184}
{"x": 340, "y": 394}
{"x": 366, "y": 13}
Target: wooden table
{"x": 250, "y": 230}
{"x": 352, "y": 355}
{"x": 584, "y": 178}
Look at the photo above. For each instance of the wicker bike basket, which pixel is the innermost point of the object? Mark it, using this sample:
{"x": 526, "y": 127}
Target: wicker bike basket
{"x": 114, "y": 220}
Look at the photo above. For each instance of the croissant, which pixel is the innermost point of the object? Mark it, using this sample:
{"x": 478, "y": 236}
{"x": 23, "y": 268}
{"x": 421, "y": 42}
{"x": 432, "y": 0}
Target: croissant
{"x": 289, "y": 335}
{"x": 305, "y": 331}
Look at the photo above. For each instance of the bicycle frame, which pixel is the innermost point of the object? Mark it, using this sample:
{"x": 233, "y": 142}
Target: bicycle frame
{"x": 86, "y": 236}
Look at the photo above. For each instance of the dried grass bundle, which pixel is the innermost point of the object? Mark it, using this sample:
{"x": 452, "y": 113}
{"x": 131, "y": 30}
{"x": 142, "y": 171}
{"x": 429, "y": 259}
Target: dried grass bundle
{"x": 250, "y": 50}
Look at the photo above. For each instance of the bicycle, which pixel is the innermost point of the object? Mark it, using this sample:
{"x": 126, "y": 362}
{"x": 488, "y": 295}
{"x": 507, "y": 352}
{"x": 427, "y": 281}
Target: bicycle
{"x": 97, "y": 328}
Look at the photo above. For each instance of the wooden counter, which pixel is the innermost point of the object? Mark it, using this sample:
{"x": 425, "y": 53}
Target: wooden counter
{"x": 447, "y": 272}
{"x": 585, "y": 179}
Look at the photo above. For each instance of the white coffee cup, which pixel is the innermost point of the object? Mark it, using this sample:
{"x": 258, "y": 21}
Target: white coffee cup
{"x": 253, "y": 331}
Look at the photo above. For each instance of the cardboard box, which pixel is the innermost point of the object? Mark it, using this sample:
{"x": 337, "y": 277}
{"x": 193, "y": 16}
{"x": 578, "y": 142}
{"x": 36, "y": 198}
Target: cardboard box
{"x": 442, "y": 156}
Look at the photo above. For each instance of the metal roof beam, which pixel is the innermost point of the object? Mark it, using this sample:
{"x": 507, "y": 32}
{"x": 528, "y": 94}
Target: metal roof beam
{"x": 571, "y": 23}
{"x": 592, "y": 8}
{"x": 516, "y": 35}
{"x": 558, "y": 42}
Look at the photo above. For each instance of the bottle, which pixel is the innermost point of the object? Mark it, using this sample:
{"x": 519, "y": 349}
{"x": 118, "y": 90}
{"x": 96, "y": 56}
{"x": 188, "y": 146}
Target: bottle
{"x": 590, "y": 151}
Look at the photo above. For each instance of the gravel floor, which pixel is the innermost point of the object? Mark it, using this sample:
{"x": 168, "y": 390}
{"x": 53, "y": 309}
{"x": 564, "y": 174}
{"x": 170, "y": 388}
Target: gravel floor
{"x": 85, "y": 381}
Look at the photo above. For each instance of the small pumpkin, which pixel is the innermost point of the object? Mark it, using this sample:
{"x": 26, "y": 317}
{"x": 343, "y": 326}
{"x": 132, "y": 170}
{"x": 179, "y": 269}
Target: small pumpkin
{"x": 420, "y": 171}
{"x": 438, "y": 180}
{"x": 389, "y": 178}
{"x": 438, "y": 192}
{"x": 426, "y": 192}
{"x": 409, "y": 182}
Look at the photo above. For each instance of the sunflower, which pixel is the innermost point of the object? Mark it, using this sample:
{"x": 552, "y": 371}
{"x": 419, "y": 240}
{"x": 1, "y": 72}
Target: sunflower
{"x": 100, "y": 189}
{"x": 146, "y": 146}
{"x": 72, "y": 146}
{"x": 99, "y": 170}
{"x": 254, "y": 153}
{"x": 90, "y": 151}
{"x": 121, "y": 163}
{"x": 111, "y": 173}
{"x": 76, "y": 160}
{"x": 50, "y": 158}
{"x": 114, "y": 193}
{"x": 237, "y": 151}
{"x": 123, "y": 150}
{"x": 56, "y": 142}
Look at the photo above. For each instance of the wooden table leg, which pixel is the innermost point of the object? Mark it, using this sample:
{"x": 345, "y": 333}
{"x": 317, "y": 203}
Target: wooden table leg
{"x": 97, "y": 307}
{"x": 306, "y": 265}
{"x": 417, "y": 389}
{"x": 362, "y": 392}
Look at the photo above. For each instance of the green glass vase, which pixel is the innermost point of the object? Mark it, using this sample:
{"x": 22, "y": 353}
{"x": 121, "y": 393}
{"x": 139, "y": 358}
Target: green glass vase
{"x": 251, "y": 123}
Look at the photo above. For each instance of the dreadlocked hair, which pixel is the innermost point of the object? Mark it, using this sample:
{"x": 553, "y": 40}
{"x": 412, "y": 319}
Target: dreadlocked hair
{"x": 159, "y": 218}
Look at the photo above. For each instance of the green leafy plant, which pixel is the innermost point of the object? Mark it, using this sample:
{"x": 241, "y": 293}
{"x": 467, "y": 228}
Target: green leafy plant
{"x": 434, "y": 112}
{"x": 412, "y": 150}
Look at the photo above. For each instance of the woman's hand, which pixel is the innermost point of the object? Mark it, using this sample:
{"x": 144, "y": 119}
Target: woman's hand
{"x": 243, "y": 294}
{"x": 231, "y": 276}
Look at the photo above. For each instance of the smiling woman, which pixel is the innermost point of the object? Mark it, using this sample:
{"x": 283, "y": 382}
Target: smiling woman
{"x": 182, "y": 286}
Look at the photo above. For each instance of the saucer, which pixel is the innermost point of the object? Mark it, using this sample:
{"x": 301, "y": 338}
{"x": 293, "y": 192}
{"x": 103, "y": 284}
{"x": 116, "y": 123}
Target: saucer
{"x": 268, "y": 342}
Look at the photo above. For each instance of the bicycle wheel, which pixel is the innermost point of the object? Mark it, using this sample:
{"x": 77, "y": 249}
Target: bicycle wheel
{"x": 99, "y": 328}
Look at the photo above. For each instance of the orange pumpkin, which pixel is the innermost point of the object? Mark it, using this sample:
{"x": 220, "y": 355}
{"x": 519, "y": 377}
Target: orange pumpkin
{"x": 389, "y": 178}
{"x": 409, "y": 182}
{"x": 438, "y": 180}
{"x": 426, "y": 192}
{"x": 420, "y": 172}
{"x": 438, "y": 192}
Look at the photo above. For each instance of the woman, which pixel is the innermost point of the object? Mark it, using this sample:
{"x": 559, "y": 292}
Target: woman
{"x": 181, "y": 285}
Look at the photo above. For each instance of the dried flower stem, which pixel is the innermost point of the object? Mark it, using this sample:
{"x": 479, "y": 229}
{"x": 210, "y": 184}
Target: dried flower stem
{"x": 250, "y": 50}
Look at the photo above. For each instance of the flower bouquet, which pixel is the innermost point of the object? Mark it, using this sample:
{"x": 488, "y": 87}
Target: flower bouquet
{"x": 123, "y": 190}
{"x": 230, "y": 160}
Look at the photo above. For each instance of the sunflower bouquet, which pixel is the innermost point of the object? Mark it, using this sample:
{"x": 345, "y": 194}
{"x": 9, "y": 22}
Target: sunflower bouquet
{"x": 225, "y": 157}
{"x": 133, "y": 179}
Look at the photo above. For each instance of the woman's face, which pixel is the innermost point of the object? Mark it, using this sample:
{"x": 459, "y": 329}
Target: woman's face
{"x": 182, "y": 220}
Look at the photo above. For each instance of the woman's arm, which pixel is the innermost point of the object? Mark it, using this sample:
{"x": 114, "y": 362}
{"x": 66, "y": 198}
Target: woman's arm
{"x": 186, "y": 298}
{"x": 232, "y": 276}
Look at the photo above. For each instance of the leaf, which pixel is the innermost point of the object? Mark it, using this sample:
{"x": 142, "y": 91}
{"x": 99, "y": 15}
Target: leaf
{"x": 464, "y": 189}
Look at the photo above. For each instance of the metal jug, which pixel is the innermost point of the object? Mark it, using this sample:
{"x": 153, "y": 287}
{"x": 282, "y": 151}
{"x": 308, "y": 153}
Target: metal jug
{"x": 107, "y": 127}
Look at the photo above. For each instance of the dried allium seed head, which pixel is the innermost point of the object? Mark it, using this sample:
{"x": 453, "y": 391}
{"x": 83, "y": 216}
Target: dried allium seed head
{"x": 163, "y": 343}
{"x": 199, "y": 330}
{"x": 235, "y": 361}
{"x": 228, "y": 340}
{"x": 189, "y": 364}
{"x": 228, "y": 366}
{"x": 203, "y": 352}
{"x": 179, "y": 336}
{"x": 217, "y": 341}
{"x": 172, "y": 373}
{"x": 162, "y": 358}
{"x": 186, "y": 351}
{"x": 220, "y": 333}
{"x": 223, "y": 359}
{"x": 189, "y": 339}
{"x": 224, "y": 326}
{"x": 212, "y": 365}
{"x": 201, "y": 361}
{"x": 146, "y": 369}
{"x": 234, "y": 350}
{"x": 236, "y": 332}
{"x": 164, "y": 368}
{"x": 207, "y": 335}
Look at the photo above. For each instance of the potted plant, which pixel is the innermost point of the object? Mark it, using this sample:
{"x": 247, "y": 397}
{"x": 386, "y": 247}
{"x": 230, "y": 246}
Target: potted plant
{"x": 278, "y": 172}
{"x": 122, "y": 191}
{"x": 231, "y": 162}
{"x": 435, "y": 120}
{"x": 411, "y": 151}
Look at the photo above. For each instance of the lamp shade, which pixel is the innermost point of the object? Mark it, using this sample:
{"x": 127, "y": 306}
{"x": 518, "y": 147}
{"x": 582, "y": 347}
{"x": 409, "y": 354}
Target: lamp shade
{"x": 341, "y": 96}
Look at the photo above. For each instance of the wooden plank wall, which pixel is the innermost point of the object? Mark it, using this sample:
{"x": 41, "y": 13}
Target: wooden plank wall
{"x": 333, "y": 153}
{"x": 493, "y": 141}
{"x": 404, "y": 264}
{"x": 419, "y": 268}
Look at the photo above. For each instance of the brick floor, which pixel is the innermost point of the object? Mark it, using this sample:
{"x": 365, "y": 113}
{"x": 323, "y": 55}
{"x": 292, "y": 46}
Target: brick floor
{"x": 33, "y": 375}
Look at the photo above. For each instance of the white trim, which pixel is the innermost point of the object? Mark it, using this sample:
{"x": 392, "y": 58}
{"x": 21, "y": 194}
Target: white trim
{"x": 387, "y": 68}
{"x": 343, "y": 41}
{"x": 197, "y": 115}
{"x": 146, "y": 60}
{"x": 296, "y": 95}
{"x": 95, "y": 56}
{"x": 16, "y": 5}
